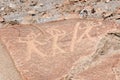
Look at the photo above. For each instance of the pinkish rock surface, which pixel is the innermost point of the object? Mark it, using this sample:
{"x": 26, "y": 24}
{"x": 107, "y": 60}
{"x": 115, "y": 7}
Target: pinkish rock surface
{"x": 65, "y": 50}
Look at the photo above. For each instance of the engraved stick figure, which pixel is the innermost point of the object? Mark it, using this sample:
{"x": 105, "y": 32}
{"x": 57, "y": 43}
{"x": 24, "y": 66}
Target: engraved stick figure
{"x": 74, "y": 38}
{"x": 55, "y": 34}
{"x": 85, "y": 33}
{"x": 31, "y": 47}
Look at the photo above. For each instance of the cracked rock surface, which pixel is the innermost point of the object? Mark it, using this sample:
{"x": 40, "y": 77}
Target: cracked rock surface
{"x": 74, "y": 49}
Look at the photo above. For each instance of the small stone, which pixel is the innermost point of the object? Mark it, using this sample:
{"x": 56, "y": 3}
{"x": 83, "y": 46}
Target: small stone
{"x": 93, "y": 11}
{"x": 107, "y": 14}
{"x": 12, "y": 5}
{"x": 8, "y": 10}
{"x": 41, "y": 4}
{"x": 27, "y": 20}
{"x": 32, "y": 12}
{"x": 107, "y": 1}
{"x": 33, "y": 2}
{"x": 46, "y": 15}
{"x": 13, "y": 22}
{"x": 83, "y": 13}
{"x": 1, "y": 19}
{"x": 23, "y": 1}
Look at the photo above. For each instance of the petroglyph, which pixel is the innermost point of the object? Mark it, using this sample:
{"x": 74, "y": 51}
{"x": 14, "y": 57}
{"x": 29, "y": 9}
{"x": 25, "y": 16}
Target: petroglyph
{"x": 74, "y": 37}
{"x": 65, "y": 50}
{"x": 56, "y": 34}
{"x": 85, "y": 33}
{"x": 30, "y": 41}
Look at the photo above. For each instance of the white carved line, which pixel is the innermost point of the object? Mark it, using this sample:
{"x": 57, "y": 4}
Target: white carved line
{"x": 56, "y": 34}
{"x": 31, "y": 47}
{"x": 85, "y": 33}
{"x": 74, "y": 37}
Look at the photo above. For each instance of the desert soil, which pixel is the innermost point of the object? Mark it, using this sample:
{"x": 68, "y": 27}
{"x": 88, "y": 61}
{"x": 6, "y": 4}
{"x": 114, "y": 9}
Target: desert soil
{"x": 40, "y": 11}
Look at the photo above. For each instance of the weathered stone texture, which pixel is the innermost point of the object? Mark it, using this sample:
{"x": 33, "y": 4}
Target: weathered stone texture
{"x": 65, "y": 50}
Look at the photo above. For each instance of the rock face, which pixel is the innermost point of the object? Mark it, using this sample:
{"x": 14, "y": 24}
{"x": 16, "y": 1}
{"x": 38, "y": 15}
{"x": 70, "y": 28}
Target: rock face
{"x": 8, "y": 70}
{"x": 65, "y": 50}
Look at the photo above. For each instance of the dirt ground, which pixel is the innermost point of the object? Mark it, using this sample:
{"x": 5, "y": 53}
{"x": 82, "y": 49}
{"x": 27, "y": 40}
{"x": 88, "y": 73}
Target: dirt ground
{"x": 39, "y": 11}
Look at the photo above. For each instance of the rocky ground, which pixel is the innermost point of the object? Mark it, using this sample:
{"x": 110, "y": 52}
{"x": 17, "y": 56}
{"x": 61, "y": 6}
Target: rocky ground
{"x": 39, "y": 11}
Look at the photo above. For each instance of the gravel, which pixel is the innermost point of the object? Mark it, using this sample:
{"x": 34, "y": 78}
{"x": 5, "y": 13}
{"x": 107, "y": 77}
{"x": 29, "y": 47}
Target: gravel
{"x": 52, "y": 10}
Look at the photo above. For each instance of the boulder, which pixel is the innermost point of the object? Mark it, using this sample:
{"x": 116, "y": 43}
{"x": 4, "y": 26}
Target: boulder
{"x": 72, "y": 49}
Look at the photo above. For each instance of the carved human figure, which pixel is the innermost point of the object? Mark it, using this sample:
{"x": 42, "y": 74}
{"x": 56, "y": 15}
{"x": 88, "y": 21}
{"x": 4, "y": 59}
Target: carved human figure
{"x": 74, "y": 37}
{"x": 55, "y": 33}
{"x": 30, "y": 41}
